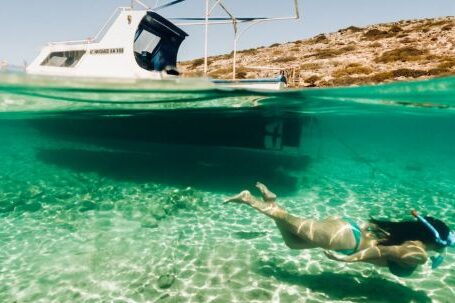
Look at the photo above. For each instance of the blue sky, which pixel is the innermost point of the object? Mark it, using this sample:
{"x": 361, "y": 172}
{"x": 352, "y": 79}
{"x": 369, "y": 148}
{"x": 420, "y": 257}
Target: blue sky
{"x": 26, "y": 25}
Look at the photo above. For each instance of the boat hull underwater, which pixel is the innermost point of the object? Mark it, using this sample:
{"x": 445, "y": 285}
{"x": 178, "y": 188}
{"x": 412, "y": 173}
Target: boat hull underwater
{"x": 178, "y": 143}
{"x": 250, "y": 129}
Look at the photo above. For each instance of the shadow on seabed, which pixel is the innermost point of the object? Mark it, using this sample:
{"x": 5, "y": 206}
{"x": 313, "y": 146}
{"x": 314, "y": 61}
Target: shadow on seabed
{"x": 339, "y": 286}
{"x": 224, "y": 171}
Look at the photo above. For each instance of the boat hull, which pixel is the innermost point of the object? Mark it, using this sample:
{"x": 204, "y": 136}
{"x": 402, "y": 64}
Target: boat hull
{"x": 246, "y": 128}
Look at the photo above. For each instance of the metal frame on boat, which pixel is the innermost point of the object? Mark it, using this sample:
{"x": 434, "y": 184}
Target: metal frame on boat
{"x": 141, "y": 44}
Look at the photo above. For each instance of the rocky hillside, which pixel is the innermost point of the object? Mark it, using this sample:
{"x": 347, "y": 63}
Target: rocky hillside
{"x": 352, "y": 56}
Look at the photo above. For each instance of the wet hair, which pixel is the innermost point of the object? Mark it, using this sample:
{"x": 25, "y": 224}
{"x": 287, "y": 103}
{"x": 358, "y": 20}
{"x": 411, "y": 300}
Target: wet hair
{"x": 395, "y": 233}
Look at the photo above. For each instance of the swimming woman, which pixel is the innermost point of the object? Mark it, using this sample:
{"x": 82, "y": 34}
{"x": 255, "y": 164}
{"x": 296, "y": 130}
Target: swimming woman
{"x": 400, "y": 246}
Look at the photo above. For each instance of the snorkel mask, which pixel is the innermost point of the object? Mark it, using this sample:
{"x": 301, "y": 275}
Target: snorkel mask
{"x": 450, "y": 241}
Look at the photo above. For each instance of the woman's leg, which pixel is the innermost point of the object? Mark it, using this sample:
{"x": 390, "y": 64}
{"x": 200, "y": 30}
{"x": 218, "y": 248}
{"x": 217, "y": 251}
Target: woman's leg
{"x": 297, "y": 233}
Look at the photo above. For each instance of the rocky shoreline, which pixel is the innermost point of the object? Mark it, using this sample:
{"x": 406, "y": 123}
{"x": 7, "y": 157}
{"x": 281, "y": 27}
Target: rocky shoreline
{"x": 409, "y": 49}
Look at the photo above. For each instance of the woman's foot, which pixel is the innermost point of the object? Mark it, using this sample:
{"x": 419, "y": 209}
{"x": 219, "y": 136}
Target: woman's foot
{"x": 267, "y": 195}
{"x": 243, "y": 197}
{"x": 267, "y": 207}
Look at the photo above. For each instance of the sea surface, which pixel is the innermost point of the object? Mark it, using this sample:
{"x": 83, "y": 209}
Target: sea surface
{"x": 112, "y": 192}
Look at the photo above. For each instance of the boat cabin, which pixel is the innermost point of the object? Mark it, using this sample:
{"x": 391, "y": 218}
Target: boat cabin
{"x": 134, "y": 44}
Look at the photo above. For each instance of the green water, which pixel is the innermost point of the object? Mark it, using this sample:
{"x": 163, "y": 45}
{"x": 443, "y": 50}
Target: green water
{"x": 89, "y": 215}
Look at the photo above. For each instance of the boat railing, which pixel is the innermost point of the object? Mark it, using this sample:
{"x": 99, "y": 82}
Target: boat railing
{"x": 231, "y": 19}
{"x": 71, "y": 42}
{"x": 100, "y": 33}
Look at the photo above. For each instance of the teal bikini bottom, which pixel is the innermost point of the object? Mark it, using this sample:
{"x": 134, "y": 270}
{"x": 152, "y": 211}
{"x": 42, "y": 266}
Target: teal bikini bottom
{"x": 357, "y": 232}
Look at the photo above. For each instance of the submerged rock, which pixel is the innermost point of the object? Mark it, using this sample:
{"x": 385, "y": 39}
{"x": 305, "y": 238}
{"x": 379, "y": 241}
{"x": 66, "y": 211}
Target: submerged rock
{"x": 6, "y": 207}
{"x": 106, "y": 206}
{"x": 87, "y": 205}
{"x": 30, "y": 206}
{"x": 170, "y": 202}
{"x": 166, "y": 281}
{"x": 149, "y": 223}
{"x": 34, "y": 191}
{"x": 158, "y": 212}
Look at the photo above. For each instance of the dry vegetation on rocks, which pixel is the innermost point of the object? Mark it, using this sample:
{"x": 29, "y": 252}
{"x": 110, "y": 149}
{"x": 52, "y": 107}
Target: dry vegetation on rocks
{"x": 379, "y": 53}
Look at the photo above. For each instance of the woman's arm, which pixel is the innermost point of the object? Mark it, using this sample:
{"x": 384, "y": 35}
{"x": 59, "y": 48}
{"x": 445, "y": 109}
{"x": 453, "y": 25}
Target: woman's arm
{"x": 410, "y": 253}
{"x": 371, "y": 253}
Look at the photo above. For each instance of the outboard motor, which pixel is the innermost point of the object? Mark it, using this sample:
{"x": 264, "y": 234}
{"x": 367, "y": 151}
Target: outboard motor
{"x": 156, "y": 44}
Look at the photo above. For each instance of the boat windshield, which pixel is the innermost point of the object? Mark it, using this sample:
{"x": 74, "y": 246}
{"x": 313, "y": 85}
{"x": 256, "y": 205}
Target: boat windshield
{"x": 157, "y": 42}
{"x": 146, "y": 42}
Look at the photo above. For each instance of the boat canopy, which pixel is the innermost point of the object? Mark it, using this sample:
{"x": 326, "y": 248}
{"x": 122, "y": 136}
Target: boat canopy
{"x": 157, "y": 42}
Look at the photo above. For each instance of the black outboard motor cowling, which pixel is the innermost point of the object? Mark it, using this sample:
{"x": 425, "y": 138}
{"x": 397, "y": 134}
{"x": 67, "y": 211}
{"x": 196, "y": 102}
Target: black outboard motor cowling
{"x": 157, "y": 42}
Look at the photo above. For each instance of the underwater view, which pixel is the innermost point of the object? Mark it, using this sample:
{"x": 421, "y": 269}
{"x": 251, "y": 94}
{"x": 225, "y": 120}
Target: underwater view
{"x": 114, "y": 192}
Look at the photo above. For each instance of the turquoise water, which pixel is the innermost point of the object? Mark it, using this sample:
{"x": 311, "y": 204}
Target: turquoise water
{"x": 97, "y": 206}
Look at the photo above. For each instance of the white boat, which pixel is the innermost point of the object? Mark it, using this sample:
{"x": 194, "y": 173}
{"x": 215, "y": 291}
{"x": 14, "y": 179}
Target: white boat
{"x": 134, "y": 44}
{"x": 140, "y": 44}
